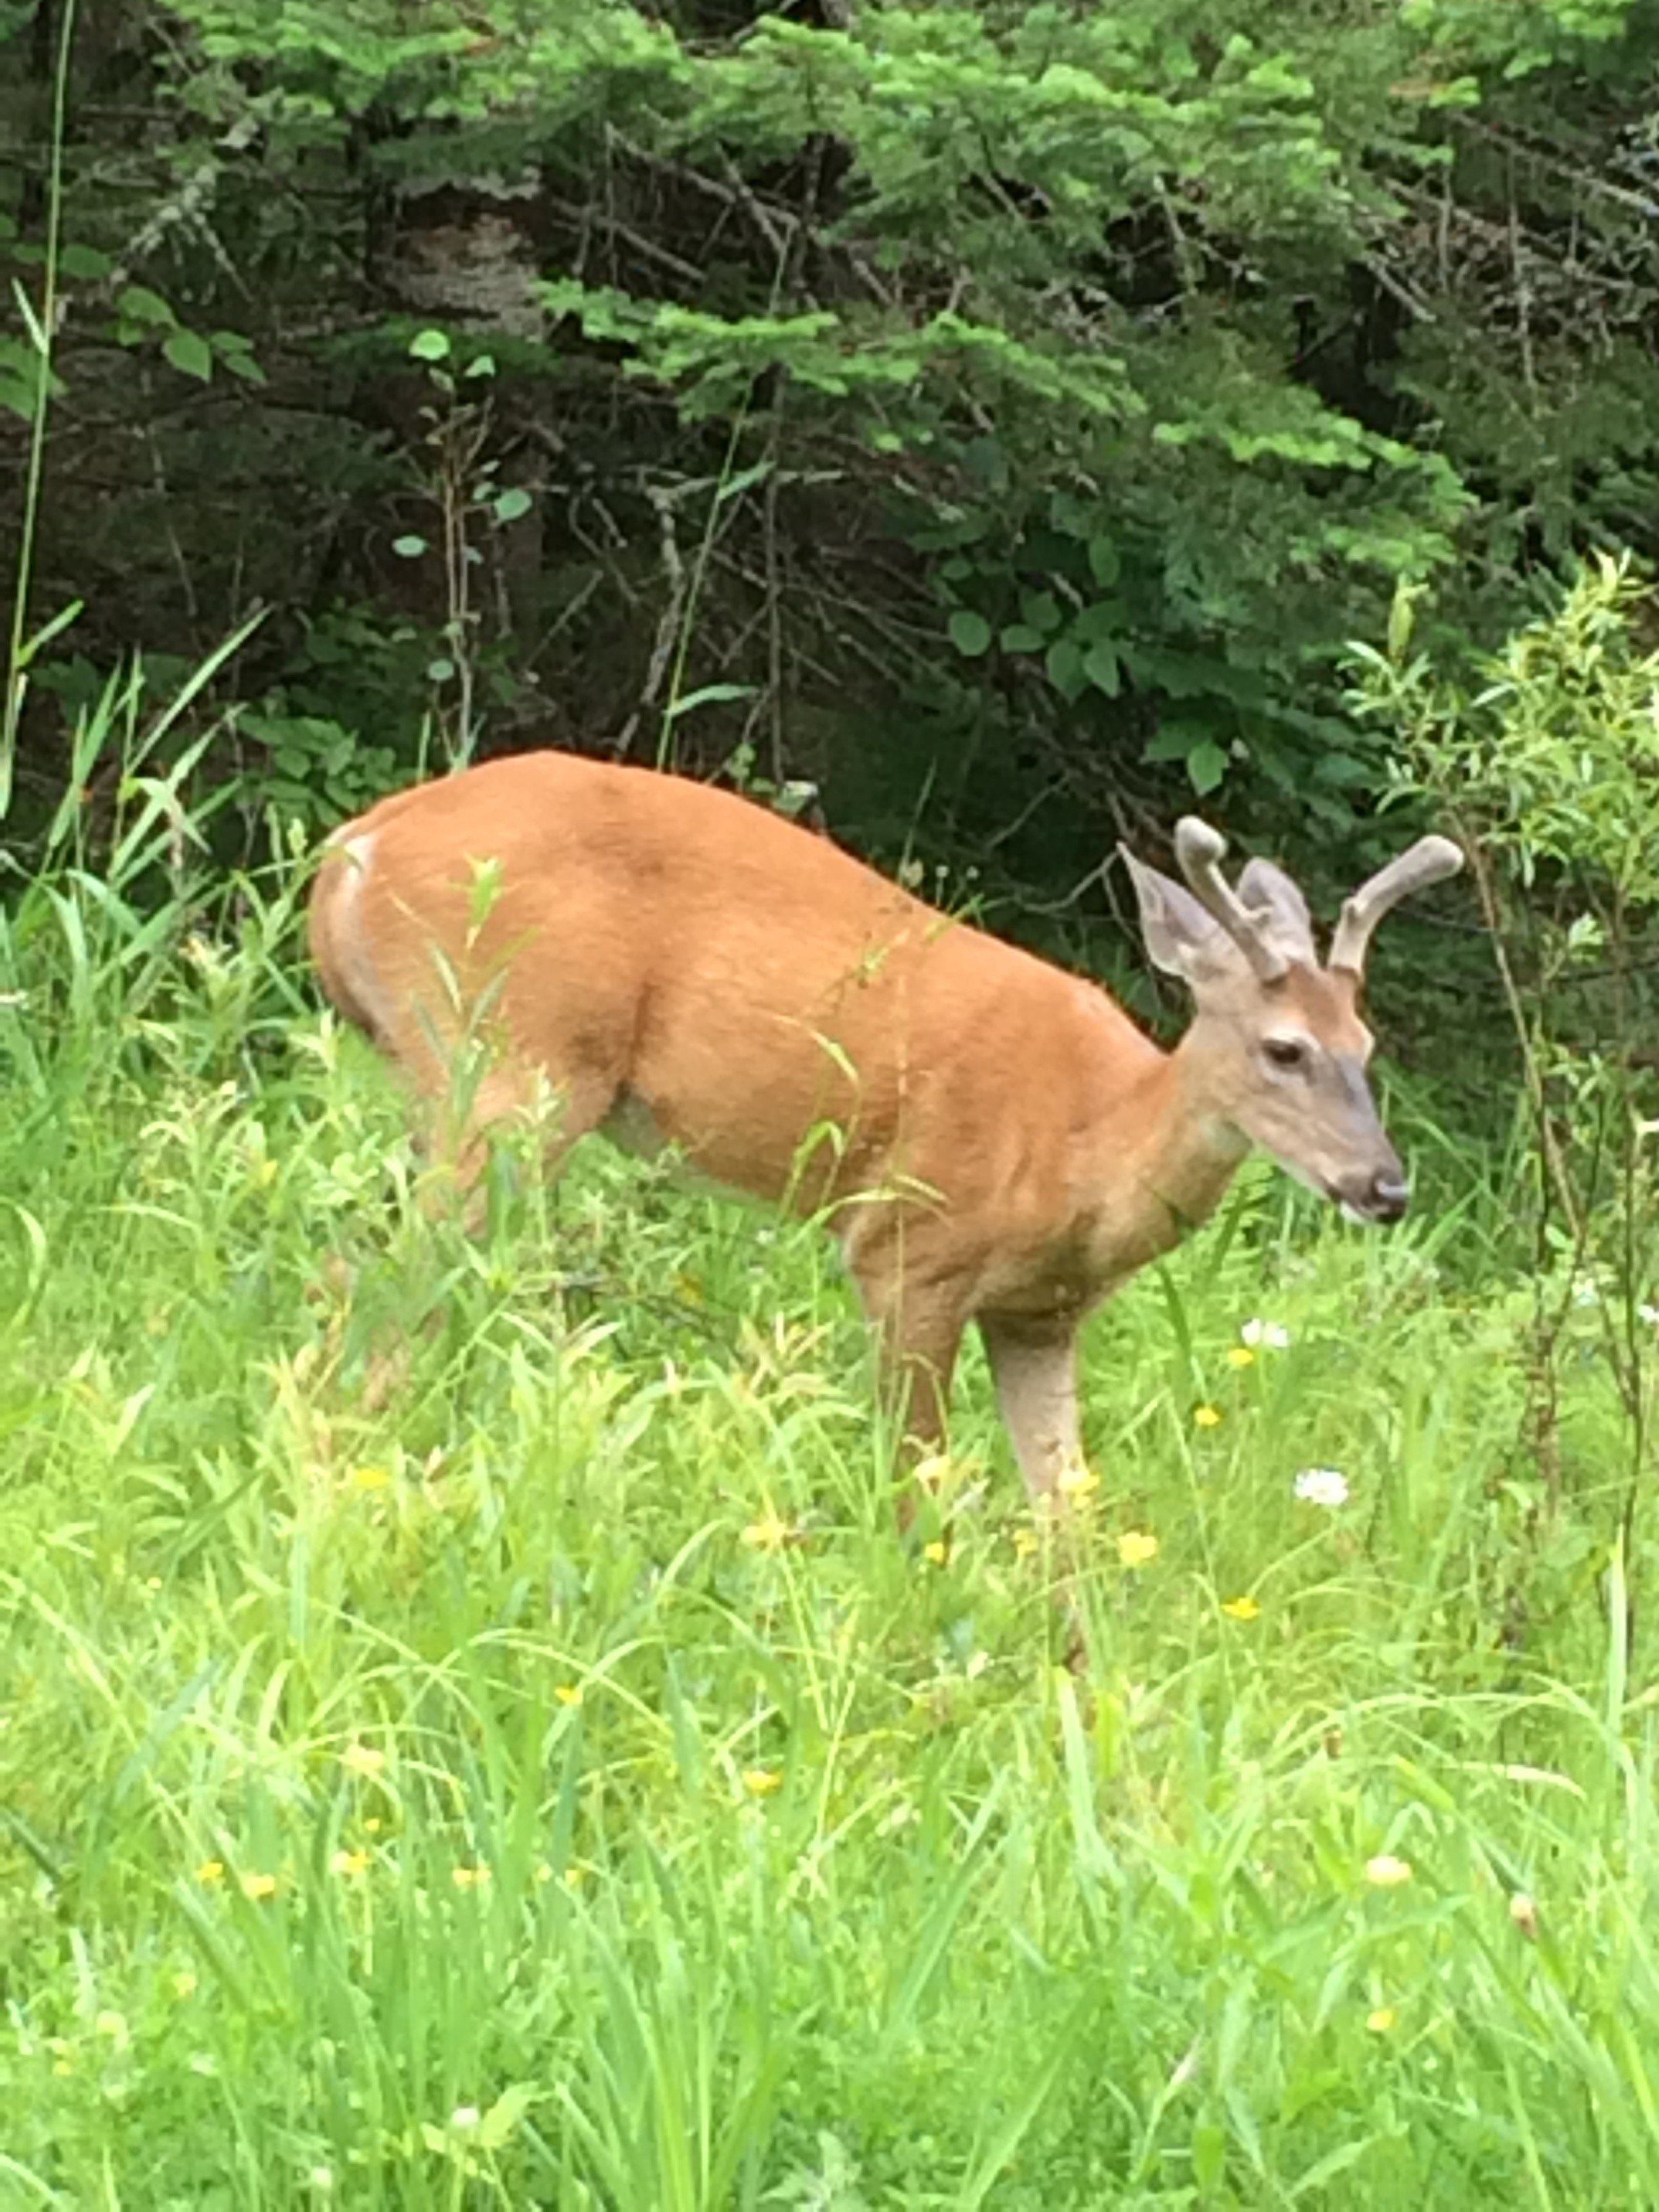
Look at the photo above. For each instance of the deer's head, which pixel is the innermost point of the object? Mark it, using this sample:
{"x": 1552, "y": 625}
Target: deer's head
{"x": 1278, "y": 1044}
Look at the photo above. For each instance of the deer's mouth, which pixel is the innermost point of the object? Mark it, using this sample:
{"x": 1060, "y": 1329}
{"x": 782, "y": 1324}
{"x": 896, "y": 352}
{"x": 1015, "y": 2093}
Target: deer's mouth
{"x": 1373, "y": 1203}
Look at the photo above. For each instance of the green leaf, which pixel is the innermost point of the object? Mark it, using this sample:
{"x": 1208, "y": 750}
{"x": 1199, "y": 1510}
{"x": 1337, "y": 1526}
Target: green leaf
{"x": 1071, "y": 516}
{"x": 190, "y": 353}
{"x": 711, "y": 694}
{"x": 1040, "y": 609}
{"x": 138, "y": 304}
{"x": 1207, "y": 764}
{"x": 970, "y": 632}
{"x": 1100, "y": 666}
{"x": 1209, "y": 2151}
{"x": 429, "y": 345}
{"x": 482, "y": 364}
{"x": 1063, "y": 665}
{"x": 1020, "y": 637}
{"x": 1104, "y": 564}
{"x": 1341, "y": 769}
{"x": 503, "y": 2117}
{"x": 409, "y": 547}
{"x": 84, "y": 261}
{"x": 1401, "y": 618}
{"x": 1175, "y": 740}
{"x": 508, "y": 506}
{"x": 1102, "y": 622}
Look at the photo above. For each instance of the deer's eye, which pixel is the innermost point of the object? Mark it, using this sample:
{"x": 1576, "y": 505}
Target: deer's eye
{"x": 1286, "y": 1052}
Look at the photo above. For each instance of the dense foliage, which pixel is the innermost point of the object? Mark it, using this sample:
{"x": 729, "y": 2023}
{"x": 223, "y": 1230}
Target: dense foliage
{"x": 1004, "y": 413}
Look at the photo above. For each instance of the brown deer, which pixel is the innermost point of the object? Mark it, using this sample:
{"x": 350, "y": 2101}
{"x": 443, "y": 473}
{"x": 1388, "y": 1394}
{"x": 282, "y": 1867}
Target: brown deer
{"x": 990, "y": 1138}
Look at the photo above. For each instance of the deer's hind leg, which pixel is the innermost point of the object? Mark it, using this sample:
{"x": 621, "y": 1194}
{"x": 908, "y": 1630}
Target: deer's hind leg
{"x": 471, "y": 1107}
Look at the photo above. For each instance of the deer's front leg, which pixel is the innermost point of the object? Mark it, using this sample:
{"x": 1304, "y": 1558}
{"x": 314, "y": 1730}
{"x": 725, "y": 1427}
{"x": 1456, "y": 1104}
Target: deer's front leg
{"x": 918, "y": 1325}
{"x": 1034, "y": 1364}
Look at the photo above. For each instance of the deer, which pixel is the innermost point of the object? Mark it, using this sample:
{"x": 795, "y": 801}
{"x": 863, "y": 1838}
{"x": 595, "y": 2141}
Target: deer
{"x": 991, "y": 1139}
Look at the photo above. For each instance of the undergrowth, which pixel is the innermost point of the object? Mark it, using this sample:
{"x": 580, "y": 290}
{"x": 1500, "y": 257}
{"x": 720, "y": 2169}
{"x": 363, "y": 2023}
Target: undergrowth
{"x": 473, "y": 1733}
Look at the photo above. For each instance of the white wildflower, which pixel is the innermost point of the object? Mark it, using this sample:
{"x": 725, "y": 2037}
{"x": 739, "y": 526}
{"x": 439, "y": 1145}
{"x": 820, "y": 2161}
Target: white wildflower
{"x": 1321, "y": 1485}
{"x": 1264, "y": 1335}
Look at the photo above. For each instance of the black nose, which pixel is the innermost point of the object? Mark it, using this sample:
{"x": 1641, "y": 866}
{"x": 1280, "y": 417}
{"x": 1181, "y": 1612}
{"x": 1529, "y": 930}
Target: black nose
{"x": 1388, "y": 1197}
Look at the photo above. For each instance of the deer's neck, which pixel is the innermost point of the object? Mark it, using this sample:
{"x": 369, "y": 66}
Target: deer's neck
{"x": 1167, "y": 1161}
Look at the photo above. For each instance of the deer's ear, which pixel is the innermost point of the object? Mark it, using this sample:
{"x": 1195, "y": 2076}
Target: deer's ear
{"x": 1180, "y": 937}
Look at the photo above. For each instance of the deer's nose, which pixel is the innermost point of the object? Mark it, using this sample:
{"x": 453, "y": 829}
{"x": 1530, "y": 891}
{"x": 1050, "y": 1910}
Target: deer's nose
{"x": 1390, "y": 1194}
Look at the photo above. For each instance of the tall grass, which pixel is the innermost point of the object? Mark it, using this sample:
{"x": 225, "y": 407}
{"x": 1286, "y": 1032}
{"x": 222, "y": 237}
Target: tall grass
{"x": 471, "y": 1735}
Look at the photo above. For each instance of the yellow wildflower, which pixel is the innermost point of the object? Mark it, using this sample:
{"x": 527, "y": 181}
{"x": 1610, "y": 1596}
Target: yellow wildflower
{"x": 1387, "y": 1872}
{"x": 768, "y": 1534}
{"x": 761, "y": 1781}
{"x": 1206, "y": 1417}
{"x": 211, "y": 1870}
{"x": 184, "y": 1984}
{"x": 348, "y": 1862}
{"x": 371, "y": 1478}
{"x": 1025, "y": 1542}
{"x": 372, "y": 1824}
{"x": 258, "y": 1886}
{"x": 1137, "y": 1547}
{"x": 1240, "y": 1355}
{"x": 1381, "y": 2020}
{"x": 938, "y": 1552}
{"x": 935, "y": 1472}
{"x": 473, "y": 1877}
{"x": 1241, "y": 1609}
{"x": 363, "y": 1759}
{"x": 567, "y": 1693}
{"x": 1077, "y": 1481}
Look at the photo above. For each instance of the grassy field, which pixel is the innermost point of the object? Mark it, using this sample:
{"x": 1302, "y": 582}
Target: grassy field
{"x": 531, "y": 1770}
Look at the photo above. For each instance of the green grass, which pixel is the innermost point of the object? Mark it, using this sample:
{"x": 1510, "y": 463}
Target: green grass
{"x": 434, "y": 1782}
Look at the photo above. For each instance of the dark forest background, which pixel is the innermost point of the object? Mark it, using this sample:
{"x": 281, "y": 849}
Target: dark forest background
{"x": 1000, "y": 417}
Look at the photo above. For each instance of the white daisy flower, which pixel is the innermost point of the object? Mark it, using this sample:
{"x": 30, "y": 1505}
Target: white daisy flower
{"x": 1264, "y": 1335}
{"x": 1321, "y": 1485}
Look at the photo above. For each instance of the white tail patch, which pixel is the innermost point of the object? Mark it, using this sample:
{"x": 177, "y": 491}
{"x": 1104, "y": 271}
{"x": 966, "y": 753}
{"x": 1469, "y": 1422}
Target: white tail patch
{"x": 351, "y": 941}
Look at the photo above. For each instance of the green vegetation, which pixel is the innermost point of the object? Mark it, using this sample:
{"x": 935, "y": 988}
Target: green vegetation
{"x": 1002, "y": 414}
{"x": 473, "y": 1734}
